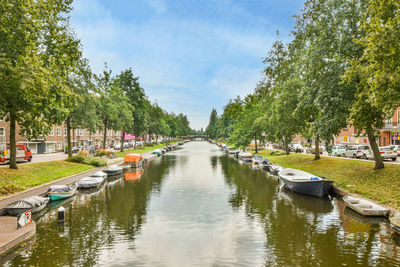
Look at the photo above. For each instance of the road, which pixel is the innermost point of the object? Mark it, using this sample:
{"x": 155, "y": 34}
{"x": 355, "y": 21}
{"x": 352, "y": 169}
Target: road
{"x": 42, "y": 158}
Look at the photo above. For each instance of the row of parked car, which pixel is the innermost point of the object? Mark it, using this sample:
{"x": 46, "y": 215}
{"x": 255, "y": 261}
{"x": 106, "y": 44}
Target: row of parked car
{"x": 365, "y": 152}
{"x": 355, "y": 151}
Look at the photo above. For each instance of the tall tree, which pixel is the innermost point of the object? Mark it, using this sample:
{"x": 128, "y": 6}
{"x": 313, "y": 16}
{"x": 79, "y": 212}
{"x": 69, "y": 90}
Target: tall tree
{"x": 37, "y": 51}
{"x": 211, "y": 129}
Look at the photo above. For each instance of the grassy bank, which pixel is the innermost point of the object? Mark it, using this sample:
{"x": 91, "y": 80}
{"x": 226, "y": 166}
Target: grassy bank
{"x": 141, "y": 150}
{"x": 31, "y": 175}
{"x": 352, "y": 175}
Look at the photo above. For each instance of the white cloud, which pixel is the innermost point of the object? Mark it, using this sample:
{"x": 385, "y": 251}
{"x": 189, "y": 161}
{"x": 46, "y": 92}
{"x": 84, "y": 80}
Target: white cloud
{"x": 159, "y": 5}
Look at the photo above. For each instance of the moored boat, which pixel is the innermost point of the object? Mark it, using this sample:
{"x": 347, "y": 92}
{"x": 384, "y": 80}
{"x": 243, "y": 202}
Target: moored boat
{"x": 365, "y": 207}
{"x": 57, "y": 192}
{"x": 257, "y": 159}
{"x": 113, "y": 169}
{"x": 275, "y": 169}
{"x": 34, "y": 203}
{"x": 305, "y": 183}
{"x": 395, "y": 222}
{"x": 99, "y": 174}
{"x": 134, "y": 160}
{"x": 157, "y": 152}
{"x": 247, "y": 160}
{"x": 243, "y": 155}
{"x": 90, "y": 182}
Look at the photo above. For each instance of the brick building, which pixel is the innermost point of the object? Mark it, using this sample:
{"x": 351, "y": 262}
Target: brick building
{"x": 56, "y": 140}
{"x": 390, "y": 133}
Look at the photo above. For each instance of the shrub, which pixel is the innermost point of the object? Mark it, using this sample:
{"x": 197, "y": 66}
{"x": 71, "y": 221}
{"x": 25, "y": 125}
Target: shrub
{"x": 97, "y": 162}
{"x": 83, "y": 153}
{"x": 77, "y": 158}
{"x": 101, "y": 152}
{"x": 150, "y": 144}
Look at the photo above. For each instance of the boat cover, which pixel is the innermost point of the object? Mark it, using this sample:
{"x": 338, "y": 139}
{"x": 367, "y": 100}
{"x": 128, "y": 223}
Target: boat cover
{"x": 114, "y": 167}
{"x": 59, "y": 188}
{"x": 27, "y": 203}
{"x": 266, "y": 162}
{"x": 257, "y": 157}
{"x": 133, "y": 158}
{"x": 99, "y": 174}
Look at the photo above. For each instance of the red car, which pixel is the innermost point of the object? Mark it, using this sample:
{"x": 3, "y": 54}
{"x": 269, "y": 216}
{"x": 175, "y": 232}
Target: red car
{"x": 23, "y": 153}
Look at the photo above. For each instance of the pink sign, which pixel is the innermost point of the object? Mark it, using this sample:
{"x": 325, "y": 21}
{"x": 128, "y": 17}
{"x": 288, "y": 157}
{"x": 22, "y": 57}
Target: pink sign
{"x": 129, "y": 136}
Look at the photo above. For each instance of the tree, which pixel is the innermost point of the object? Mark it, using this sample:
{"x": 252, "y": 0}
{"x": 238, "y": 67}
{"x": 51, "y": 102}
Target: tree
{"x": 322, "y": 46}
{"x": 37, "y": 51}
{"x": 137, "y": 98}
{"x": 113, "y": 109}
{"x": 211, "y": 129}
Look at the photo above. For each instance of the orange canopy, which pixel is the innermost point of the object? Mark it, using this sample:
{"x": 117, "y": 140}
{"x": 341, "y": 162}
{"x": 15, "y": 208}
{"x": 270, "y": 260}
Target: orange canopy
{"x": 133, "y": 158}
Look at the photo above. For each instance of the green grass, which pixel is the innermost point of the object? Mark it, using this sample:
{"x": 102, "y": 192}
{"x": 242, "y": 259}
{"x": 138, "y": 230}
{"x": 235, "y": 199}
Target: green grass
{"x": 141, "y": 150}
{"x": 352, "y": 175}
{"x": 31, "y": 175}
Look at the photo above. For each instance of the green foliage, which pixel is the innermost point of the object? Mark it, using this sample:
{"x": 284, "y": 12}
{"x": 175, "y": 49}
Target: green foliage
{"x": 211, "y": 129}
{"x": 95, "y": 161}
{"x": 77, "y": 159}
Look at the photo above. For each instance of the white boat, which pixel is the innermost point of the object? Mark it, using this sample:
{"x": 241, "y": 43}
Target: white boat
{"x": 275, "y": 169}
{"x": 305, "y": 183}
{"x": 244, "y": 155}
{"x": 57, "y": 192}
{"x": 99, "y": 174}
{"x": 113, "y": 169}
{"x": 395, "y": 222}
{"x": 89, "y": 182}
{"x": 365, "y": 207}
{"x": 34, "y": 203}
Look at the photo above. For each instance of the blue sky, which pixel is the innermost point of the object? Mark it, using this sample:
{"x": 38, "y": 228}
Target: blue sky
{"x": 190, "y": 55}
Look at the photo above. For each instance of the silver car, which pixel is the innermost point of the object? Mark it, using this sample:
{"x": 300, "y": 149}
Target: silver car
{"x": 356, "y": 151}
{"x": 387, "y": 152}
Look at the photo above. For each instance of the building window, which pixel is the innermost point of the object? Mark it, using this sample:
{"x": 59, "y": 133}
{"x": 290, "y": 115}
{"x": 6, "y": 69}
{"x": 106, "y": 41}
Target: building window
{"x": 398, "y": 117}
{"x": 51, "y": 131}
{"x": 59, "y": 145}
{"x": 65, "y": 131}
{"x": 58, "y": 131}
{"x": 2, "y": 131}
{"x": 79, "y": 132}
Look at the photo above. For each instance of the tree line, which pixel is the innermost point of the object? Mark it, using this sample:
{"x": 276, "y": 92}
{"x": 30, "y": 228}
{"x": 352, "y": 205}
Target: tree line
{"x": 341, "y": 67}
{"x": 45, "y": 80}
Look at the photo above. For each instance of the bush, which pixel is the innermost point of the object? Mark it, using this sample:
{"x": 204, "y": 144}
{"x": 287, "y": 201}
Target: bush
{"x": 150, "y": 144}
{"x": 101, "y": 152}
{"x": 83, "y": 153}
{"x": 97, "y": 162}
{"x": 77, "y": 158}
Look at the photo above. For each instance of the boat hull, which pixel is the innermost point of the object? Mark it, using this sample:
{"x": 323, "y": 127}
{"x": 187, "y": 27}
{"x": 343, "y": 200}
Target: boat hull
{"x": 17, "y": 211}
{"x": 318, "y": 188}
{"x": 113, "y": 172}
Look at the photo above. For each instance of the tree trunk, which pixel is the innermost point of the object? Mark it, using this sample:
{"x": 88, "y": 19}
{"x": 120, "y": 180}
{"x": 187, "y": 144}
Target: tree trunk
{"x": 134, "y": 143}
{"x": 317, "y": 155}
{"x": 13, "y": 151}
{"x": 122, "y": 141}
{"x": 287, "y": 148}
{"x": 69, "y": 137}
{"x": 375, "y": 149}
{"x": 156, "y": 139}
{"x": 255, "y": 141}
{"x": 105, "y": 136}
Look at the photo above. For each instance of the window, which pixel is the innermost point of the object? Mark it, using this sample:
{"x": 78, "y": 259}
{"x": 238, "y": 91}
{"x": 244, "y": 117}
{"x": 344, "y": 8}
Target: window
{"x": 2, "y": 131}
{"x": 58, "y": 131}
{"x": 65, "y": 131}
{"x": 79, "y": 132}
{"x": 398, "y": 117}
{"x": 59, "y": 145}
{"x": 51, "y": 133}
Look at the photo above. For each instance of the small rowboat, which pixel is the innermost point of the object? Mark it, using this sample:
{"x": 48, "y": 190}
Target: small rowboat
{"x": 257, "y": 159}
{"x": 99, "y": 174}
{"x": 113, "y": 170}
{"x": 57, "y": 192}
{"x": 34, "y": 203}
{"x": 305, "y": 183}
{"x": 157, "y": 152}
{"x": 365, "y": 207}
{"x": 395, "y": 222}
{"x": 90, "y": 182}
{"x": 134, "y": 160}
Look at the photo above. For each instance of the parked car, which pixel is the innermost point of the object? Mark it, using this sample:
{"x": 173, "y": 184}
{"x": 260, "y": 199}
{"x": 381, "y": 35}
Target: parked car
{"x": 337, "y": 150}
{"x": 76, "y": 149}
{"x": 396, "y": 149}
{"x": 311, "y": 150}
{"x": 387, "y": 152}
{"x": 356, "y": 151}
{"x": 298, "y": 148}
{"x": 117, "y": 146}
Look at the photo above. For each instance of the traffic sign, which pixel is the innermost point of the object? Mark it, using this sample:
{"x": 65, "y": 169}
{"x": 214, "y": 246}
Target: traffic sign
{"x": 24, "y": 219}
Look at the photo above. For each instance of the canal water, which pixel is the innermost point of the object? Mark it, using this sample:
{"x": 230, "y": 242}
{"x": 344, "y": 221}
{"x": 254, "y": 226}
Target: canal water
{"x": 197, "y": 206}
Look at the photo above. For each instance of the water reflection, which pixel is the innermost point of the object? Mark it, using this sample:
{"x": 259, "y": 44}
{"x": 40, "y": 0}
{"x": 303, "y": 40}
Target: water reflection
{"x": 94, "y": 220}
{"x": 307, "y": 231}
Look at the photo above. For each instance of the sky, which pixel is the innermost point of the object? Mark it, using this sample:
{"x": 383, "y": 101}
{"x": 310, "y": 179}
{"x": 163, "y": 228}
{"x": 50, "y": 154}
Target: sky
{"x": 190, "y": 55}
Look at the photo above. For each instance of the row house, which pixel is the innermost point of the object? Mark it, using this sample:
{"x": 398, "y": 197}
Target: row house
{"x": 56, "y": 140}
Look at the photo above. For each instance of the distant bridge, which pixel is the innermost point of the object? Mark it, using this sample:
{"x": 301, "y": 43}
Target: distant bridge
{"x": 198, "y": 137}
